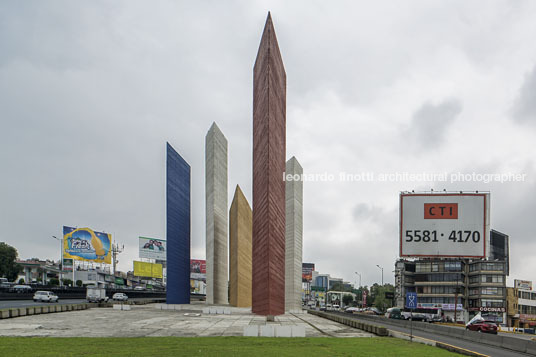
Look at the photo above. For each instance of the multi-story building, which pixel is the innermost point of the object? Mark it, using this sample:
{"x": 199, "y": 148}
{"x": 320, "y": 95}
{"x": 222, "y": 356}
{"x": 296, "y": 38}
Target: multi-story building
{"x": 460, "y": 287}
{"x": 521, "y": 305}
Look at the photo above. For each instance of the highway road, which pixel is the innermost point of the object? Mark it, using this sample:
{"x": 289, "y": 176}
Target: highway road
{"x": 469, "y": 345}
{"x": 25, "y": 303}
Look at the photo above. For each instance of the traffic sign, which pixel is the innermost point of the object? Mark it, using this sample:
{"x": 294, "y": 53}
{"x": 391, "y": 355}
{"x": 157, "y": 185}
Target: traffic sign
{"x": 411, "y": 300}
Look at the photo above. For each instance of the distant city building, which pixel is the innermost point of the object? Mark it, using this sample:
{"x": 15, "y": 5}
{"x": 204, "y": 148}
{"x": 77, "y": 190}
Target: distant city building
{"x": 463, "y": 287}
{"x": 500, "y": 248}
{"x": 521, "y": 308}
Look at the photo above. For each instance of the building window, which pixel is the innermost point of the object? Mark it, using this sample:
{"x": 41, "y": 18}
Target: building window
{"x": 491, "y": 303}
{"x": 453, "y": 266}
{"x": 492, "y": 278}
{"x": 423, "y": 268}
{"x": 492, "y": 291}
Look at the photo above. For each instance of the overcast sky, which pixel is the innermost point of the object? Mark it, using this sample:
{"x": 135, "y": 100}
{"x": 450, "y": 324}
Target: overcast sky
{"x": 91, "y": 91}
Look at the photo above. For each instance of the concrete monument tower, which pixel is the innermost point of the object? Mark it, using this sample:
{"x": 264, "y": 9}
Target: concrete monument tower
{"x": 177, "y": 228}
{"x": 294, "y": 233}
{"x": 240, "y": 251}
{"x": 216, "y": 215}
{"x": 269, "y": 136}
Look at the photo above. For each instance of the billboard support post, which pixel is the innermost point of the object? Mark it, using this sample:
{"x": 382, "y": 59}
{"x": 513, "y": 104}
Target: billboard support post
{"x": 61, "y": 259}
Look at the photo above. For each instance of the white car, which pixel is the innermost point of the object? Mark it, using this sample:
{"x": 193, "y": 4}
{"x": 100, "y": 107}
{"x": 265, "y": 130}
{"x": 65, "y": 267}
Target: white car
{"x": 120, "y": 297}
{"x": 45, "y": 296}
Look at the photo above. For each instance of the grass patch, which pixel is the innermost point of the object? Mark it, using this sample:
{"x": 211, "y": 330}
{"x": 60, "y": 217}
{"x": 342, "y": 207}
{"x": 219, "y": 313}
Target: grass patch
{"x": 213, "y": 346}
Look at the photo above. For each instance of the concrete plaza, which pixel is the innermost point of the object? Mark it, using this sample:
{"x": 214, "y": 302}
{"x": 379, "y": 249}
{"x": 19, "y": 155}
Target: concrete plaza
{"x": 150, "y": 320}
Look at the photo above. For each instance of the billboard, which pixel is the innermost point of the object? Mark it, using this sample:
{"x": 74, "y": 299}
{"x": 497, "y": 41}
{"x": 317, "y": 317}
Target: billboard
{"x": 444, "y": 225}
{"x": 150, "y": 270}
{"x": 152, "y": 248}
{"x": 86, "y": 244}
{"x": 523, "y": 284}
{"x": 198, "y": 269}
{"x": 67, "y": 264}
{"x": 307, "y": 272}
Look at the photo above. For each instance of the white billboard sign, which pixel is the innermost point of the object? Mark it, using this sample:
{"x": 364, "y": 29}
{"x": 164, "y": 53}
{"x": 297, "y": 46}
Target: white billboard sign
{"x": 152, "y": 248}
{"x": 444, "y": 225}
{"x": 523, "y": 284}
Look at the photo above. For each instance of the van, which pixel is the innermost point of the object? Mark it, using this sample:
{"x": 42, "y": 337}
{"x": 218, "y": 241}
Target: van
{"x": 394, "y": 313}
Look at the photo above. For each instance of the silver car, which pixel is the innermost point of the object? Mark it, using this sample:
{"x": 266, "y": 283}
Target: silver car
{"x": 45, "y": 296}
{"x": 120, "y": 297}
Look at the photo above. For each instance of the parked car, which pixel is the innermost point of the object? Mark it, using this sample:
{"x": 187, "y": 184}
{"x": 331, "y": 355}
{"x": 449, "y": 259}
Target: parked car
{"x": 120, "y": 297}
{"x": 140, "y": 288}
{"x": 482, "y": 326}
{"x": 22, "y": 288}
{"x": 376, "y": 311}
{"x": 415, "y": 316}
{"x": 45, "y": 296}
{"x": 351, "y": 310}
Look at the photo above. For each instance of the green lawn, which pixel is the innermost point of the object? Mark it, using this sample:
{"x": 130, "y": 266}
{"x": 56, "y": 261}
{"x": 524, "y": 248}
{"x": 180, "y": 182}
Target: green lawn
{"x": 213, "y": 346}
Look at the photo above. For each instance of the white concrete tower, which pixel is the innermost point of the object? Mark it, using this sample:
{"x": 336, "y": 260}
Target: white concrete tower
{"x": 293, "y": 237}
{"x": 216, "y": 215}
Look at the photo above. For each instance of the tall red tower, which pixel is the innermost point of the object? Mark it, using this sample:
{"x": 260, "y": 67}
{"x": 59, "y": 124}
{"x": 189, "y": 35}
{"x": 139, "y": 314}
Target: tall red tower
{"x": 269, "y": 136}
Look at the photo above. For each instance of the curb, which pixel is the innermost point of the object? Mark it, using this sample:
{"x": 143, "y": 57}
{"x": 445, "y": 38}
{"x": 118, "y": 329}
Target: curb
{"x": 41, "y": 309}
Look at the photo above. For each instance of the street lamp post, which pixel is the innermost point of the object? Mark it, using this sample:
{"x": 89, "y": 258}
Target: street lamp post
{"x": 382, "y": 272}
{"x": 61, "y": 259}
{"x": 360, "y": 288}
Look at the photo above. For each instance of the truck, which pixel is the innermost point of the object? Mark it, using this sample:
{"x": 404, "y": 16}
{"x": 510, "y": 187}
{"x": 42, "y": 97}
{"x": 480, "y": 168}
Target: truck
{"x": 95, "y": 294}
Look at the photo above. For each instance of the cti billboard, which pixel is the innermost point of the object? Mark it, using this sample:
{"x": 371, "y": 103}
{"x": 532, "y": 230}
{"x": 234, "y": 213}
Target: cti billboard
{"x": 444, "y": 225}
{"x": 86, "y": 244}
{"x": 148, "y": 269}
{"x": 152, "y": 248}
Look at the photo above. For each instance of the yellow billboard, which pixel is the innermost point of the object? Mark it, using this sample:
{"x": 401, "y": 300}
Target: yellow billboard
{"x": 148, "y": 269}
{"x": 86, "y": 244}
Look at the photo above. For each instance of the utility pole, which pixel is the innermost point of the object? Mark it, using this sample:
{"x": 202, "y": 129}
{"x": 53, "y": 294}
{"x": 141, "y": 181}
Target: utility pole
{"x": 382, "y": 272}
{"x": 61, "y": 259}
{"x": 360, "y": 287}
{"x": 116, "y": 249}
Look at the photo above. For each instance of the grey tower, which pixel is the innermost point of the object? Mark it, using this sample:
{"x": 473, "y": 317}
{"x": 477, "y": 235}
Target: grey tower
{"x": 216, "y": 215}
{"x": 293, "y": 236}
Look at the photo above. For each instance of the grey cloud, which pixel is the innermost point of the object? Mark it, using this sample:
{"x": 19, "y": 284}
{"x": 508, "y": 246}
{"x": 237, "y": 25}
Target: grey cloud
{"x": 524, "y": 108}
{"x": 431, "y": 121}
{"x": 91, "y": 92}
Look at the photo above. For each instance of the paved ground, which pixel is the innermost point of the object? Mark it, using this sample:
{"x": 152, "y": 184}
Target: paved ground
{"x": 147, "y": 320}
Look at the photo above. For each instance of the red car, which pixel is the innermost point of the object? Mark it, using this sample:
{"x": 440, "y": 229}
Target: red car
{"x": 483, "y": 326}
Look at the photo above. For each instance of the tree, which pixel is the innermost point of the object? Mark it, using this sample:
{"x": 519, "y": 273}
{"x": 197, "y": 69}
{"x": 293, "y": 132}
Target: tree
{"x": 8, "y": 262}
{"x": 379, "y": 296}
{"x": 67, "y": 282}
{"x": 347, "y": 299}
{"x": 21, "y": 281}
{"x": 54, "y": 281}
{"x": 79, "y": 283}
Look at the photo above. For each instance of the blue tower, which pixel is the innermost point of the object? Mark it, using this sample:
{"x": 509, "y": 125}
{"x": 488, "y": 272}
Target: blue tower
{"x": 177, "y": 228}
